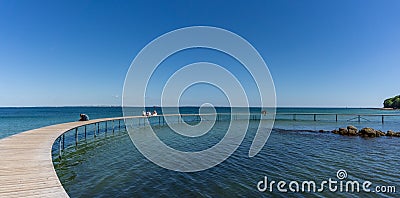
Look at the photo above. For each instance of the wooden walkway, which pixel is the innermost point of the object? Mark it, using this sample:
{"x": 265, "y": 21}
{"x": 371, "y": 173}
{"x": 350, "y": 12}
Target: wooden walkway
{"x": 26, "y": 166}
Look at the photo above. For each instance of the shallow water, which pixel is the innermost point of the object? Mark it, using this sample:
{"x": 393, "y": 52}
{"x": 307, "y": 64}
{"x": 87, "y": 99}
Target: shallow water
{"x": 110, "y": 165}
{"x": 116, "y": 168}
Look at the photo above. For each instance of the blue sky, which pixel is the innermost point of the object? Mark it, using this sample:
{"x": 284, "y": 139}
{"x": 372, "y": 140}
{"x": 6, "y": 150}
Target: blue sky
{"x": 320, "y": 53}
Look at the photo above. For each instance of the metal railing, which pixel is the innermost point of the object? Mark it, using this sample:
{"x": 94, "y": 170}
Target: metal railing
{"x": 95, "y": 129}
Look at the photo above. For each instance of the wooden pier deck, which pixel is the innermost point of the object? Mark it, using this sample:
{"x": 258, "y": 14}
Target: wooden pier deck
{"x": 26, "y": 166}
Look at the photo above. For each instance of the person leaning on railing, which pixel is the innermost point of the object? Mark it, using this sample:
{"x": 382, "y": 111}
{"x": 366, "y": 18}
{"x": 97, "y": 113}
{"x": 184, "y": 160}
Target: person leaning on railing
{"x": 84, "y": 117}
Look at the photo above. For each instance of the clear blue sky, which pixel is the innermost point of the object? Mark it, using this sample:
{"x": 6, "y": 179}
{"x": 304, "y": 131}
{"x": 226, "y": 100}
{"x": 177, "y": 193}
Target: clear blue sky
{"x": 320, "y": 53}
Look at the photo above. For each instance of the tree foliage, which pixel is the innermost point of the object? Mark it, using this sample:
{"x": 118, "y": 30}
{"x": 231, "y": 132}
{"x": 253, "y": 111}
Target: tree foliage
{"x": 392, "y": 102}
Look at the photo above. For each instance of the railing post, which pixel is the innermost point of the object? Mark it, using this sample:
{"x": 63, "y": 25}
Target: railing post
{"x": 159, "y": 121}
{"x": 94, "y": 131}
{"x": 315, "y": 117}
{"x": 113, "y": 127}
{"x": 359, "y": 118}
{"x": 63, "y": 141}
{"x": 336, "y": 118}
{"x": 105, "y": 131}
{"x": 294, "y": 116}
{"x": 383, "y": 119}
{"x": 119, "y": 125}
{"x": 85, "y": 132}
{"x": 76, "y": 136}
{"x": 59, "y": 148}
{"x": 98, "y": 127}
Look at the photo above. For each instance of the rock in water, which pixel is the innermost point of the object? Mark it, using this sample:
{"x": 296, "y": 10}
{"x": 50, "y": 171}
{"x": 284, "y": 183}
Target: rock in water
{"x": 352, "y": 130}
{"x": 365, "y": 132}
{"x": 368, "y": 132}
{"x": 351, "y": 127}
{"x": 379, "y": 133}
{"x": 343, "y": 131}
{"x": 390, "y": 133}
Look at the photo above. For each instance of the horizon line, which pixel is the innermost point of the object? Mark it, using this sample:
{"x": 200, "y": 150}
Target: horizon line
{"x": 345, "y": 107}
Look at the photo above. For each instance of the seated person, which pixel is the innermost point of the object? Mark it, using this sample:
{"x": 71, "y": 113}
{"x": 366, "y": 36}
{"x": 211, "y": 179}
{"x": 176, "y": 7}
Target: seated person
{"x": 264, "y": 112}
{"x": 84, "y": 117}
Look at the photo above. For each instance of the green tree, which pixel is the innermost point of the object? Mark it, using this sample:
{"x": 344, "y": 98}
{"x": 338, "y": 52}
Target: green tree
{"x": 392, "y": 102}
{"x": 396, "y": 103}
{"x": 388, "y": 103}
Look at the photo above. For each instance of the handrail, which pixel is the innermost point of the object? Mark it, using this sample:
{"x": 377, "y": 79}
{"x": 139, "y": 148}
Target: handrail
{"x": 342, "y": 114}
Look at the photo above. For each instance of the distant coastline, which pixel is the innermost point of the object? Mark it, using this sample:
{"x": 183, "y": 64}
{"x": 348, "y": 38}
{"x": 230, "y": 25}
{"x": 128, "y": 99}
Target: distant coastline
{"x": 383, "y": 108}
{"x": 186, "y": 106}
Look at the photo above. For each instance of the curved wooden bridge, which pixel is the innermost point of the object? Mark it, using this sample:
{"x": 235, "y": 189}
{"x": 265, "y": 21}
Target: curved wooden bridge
{"x": 26, "y": 166}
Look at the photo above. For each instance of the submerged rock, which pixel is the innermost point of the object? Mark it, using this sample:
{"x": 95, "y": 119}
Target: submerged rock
{"x": 390, "y": 133}
{"x": 351, "y": 127}
{"x": 352, "y": 130}
{"x": 380, "y": 133}
{"x": 343, "y": 131}
{"x": 364, "y": 132}
{"x": 368, "y": 132}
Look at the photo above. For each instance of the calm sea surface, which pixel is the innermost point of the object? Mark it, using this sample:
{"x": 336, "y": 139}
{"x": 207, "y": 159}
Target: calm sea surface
{"x": 111, "y": 165}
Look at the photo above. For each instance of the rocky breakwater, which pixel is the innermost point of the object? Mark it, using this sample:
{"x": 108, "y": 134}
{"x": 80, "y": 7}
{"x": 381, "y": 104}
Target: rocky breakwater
{"x": 364, "y": 132}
